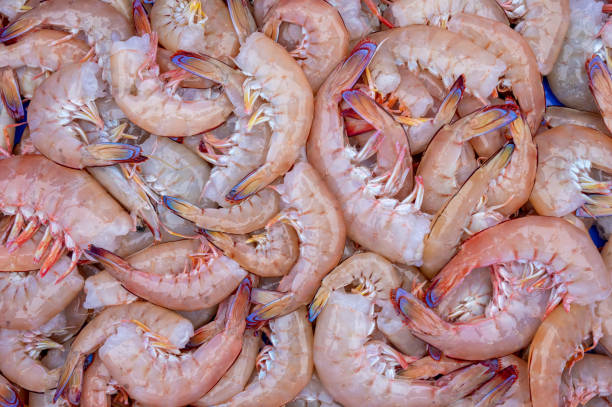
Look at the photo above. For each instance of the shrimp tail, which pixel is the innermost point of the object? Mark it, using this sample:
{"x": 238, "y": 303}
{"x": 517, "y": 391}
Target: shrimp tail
{"x": 252, "y": 183}
{"x": 242, "y": 19}
{"x": 203, "y": 334}
{"x": 109, "y": 259}
{"x": 354, "y": 125}
{"x": 348, "y": 72}
{"x": 10, "y": 93}
{"x": 9, "y": 397}
{"x": 318, "y": 303}
{"x": 451, "y": 101}
{"x": 270, "y": 310}
{"x": 17, "y": 28}
{"x": 102, "y": 154}
{"x": 600, "y": 81}
{"x": 222, "y": 240}
{"x": 466, "y": 380}
{"x": 495, "y": 389}
{"x": 421, "y": 318}
{"x": 141, "y": 20}
{"x": 240, "y": 305}
{"x": 488, "y": 119}
{"x": 203, "y": 66}
{"x": 364, "y": 106}
{"x": 70, "y": 382}
{"x": 261, "y": 296}
{"x": 182, "y": 208}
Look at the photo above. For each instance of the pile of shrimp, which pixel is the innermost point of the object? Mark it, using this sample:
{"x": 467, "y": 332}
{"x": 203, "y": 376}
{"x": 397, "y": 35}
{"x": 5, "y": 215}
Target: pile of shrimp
{"x": 305, "y": 203}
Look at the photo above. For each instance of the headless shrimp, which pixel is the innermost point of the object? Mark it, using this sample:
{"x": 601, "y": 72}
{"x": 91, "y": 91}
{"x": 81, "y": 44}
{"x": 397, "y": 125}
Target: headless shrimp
{"x": 324, "y": 39}
{"x": 174, "y": 328}
{"x": 588, "y": 378}
{"x": 74, "y": 209}
{"x": 555, "y": 116}
{"x": 138, "y": 371}
{"x": 275, "y": 252}
{"x": 315, "y": 214}
{"x": 201, "y": 26}
{"x": 67, "y": 96}
{"x": 176, "y": 275}
{"x": 100, "y": 22}
{"x": 402, "y": 13}
{"x": 30, "y": 300}
{"x": 566, "y": 156}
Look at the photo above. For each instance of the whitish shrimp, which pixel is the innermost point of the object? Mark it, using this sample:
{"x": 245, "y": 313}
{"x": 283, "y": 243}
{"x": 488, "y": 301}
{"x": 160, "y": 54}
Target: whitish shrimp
{"x": 201, "y": 26}
{"x": 544, "y": 26}
{"x": 555, "y": 116}
{"x": 567, "y": 155}
{"x": 274, "y": 252}
{"x": 372, "y": 222}
{"x": 588, "y": 378}
{"x": 175, "y": 329}
{"x": 74, "y": 210}
{"x": 65, "y": 97}
{"x": 324, "y": 40}
{"x": 315, "y": 214}
{"x": 205, "y": 365}
{"x": 284, "y": 367}
{"x": 34, "y": 300}
{"x": 99, "y": 21}
{"x": 184, "y": 275}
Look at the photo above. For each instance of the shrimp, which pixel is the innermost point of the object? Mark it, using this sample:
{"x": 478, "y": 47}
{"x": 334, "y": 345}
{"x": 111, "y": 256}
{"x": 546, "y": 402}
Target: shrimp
{"x": 567, "y": 155}
{"x": 600, "y": 83}
{"x": 588, "y": 378}
{"x": 284, "y": 367}
{"x": 237, "y": 377}
{"x": 176, "y": 275}
{"x": 99, "y": 21}
{"x": 313, "y": 394}
{"x": 275, "y": 252}
{"x": 74, "y": 210}
{"x": 138, "y": 371}
{"x": 145, "y": 100}
{"x": 324, "y": 39}
{"x": 358, "y": 20}
{"x": 449, "y": 223}
{"x": 21, "y": 259}
{"x": 96, "y": 385}
{"x": 30, "y": 300}
{"x": 315, "y": 214}
{"x": 175, "y": 329}
{"x": 372, "y": 222}
{"x": 67, "y": 96}
{"x": 544, "y": 26}
{"x": 10, "y": 394}
{"x": 493, "y": 392}
{"x": 201, "y": 26}
{"x": 246, "y": 217}
{"x": 556, "y": 116}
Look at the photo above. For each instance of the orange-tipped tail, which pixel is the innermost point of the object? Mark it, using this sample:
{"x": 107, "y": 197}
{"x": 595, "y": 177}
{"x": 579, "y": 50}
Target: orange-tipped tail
{"x": 348, "y": 72}
{"x": 103, "y": 154}
{"x": 242, "y": 19}
{"x": 141, "y": 19}
{"x": 10, "y": 93}
{"x": 488, "y": 119}
{"x": 109, "y": 259}
{"x": 69, "y": 384}
{"x": 451, "y": 101}
{"x": 9, "y": 396}
{"x": 203, "y": 66}
{"x": 182, "y": 208}
{"x": 17, "y": 28}
{"x": 273, "y": 309}
{"x": 254, "y": 182}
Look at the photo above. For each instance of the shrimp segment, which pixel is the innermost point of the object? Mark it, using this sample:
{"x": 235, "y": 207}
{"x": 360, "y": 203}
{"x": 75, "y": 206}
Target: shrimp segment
{"x": 588, "y": 378}
{"x": 402, "y": 13}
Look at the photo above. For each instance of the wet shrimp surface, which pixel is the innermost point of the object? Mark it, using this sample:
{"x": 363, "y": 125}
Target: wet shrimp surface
{"x": 334, "y": 203}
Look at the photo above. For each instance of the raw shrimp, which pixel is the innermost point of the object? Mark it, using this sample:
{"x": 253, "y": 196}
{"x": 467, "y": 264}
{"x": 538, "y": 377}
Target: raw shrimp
{"x": 146, "y": 101}
{"x": 556, "y": 116}
{"x": 175, "y": 329}
{"x": 187, "y": 376}
{"x": 342, "y": 344}
{"x": 324, "y": 39}
{"x": 522, "y": 73}
{"x": 567, "y": 155}
{"x": 313, "y": 394}
{"x": 180, "y": 275}
{"x": 103, "y": 290}
{"x": 544, "y": 26}
{"x": 448, "y": 158}
{"x": 600, "y": 84}
{"x": 21, "y": 259}
{"x": 315, "y": 214}
{"x": 449, "y": 223}
{"x": 201, "y": 26}
{"x": 96, "y": 385}
{"x": 100, "y": 22}
{"x": 358, "y": 20}
{"x": 67, "y": 96}
{"x": 246, "y": 217}
{"x": 237, "y": 377}
{"x": 384, "y": 225}
{"x": 285, "y": 366}
{"x": 493, "y": 392}
{"x": 29, "y": 300}
{"x": 74, "y": 209}
{"x": 588, "y": 378}
{"x": 275, "y": 252}
{"x": 9, "y": 394}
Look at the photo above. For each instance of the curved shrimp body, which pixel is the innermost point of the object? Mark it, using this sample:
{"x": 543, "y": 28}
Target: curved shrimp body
{"x": 146, "y": 101}
{"x": 324, "y": 41}
{"x": 75, "y": 209}
{"x": 96, "y": 383}
{"x": 555, "y": 116}
{"x": 201, "y": 26}
{"x": 236, "y": 378}
{"x": 204, "y": 366}
{"x": 175, "y": 329}
{"x": 315, "y": 214}
{"x": 522, "y": 74}
{"x": 374, "y": 223}
{"x": 176, "y": 275}
{"x": 246, "y": 217}
{"x": 544, "y": 26}
{"x": 558, "y": 251}
{"x": 588, "y": 378}
{"x": 100, "y": 22}
{"x": 438, "y": 12}
{"x": 285, "y": 367}
{"x": 566, "y": 156}
{"x": 67, "y": 96}
{"x": 35, "y": 299}
{"x": 275, "y": 252}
